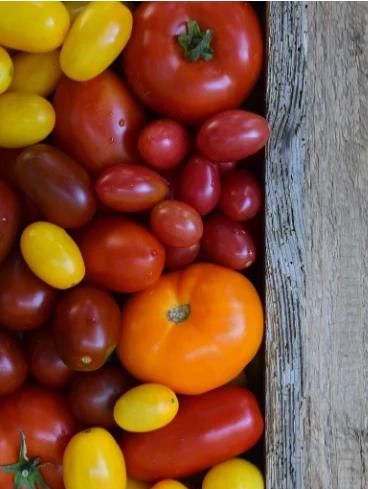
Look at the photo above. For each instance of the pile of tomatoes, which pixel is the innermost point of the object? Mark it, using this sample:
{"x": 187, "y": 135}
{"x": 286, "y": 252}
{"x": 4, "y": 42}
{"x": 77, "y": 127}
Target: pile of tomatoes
{"x": 129, "y": 215}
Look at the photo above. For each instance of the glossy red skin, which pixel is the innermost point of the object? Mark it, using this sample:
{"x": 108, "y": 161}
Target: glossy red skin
{"x": 208, "y": 429}
{"x": 9, "y": 218}
{"x": 199, "y": 184}
{"x": 59, "y": 186}
{"x": 228, "y": 243}
{"x": 177, "y": 258}
{"x": 176, "y": 223}
{"x": 25, "y": 301}
{"x": 130, "y": 188}
{"x": 97, "y": 121}
{"x": 120, "y": 254}
{"x": 13, "y": 364}
{"x": 232, "y": 135}
{"x": 86, "y": 327}
{"x": 45, "y": 362}
{"x": 157, "y": 71}
{"x": 225, "y": 167}
{"x": 241, "y": 196}
{"x": 92, "y": 395}
{"x": 164, "y": 143}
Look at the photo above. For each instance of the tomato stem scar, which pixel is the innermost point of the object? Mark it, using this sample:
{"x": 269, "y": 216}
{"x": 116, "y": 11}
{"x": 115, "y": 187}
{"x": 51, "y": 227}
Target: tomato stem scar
{"x": 178, "y": 314}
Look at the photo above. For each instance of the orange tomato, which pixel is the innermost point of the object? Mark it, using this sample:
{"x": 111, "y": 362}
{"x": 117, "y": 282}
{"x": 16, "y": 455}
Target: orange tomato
{"x": 193, "y": 330}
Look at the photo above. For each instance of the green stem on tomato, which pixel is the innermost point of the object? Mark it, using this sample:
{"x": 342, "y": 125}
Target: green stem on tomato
{"x": 196, "y": 43}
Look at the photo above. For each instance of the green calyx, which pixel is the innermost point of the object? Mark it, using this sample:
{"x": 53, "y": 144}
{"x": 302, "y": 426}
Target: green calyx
{"x": 196, "y": 44}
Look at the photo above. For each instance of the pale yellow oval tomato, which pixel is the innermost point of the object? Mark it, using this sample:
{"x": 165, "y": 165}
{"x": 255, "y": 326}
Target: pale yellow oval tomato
{"x": 146, "y": 407}
{"x": 133, "y": 484}
{"x": 75, "y": 8}
{"x": 35, "y": 27}
{"x": 52, "y": 255}
{"x": 171, "y": 484}
{"x": 36, "y": 73}
{"x": 93, "y": 460}
{"x": 235, "y": 473}
{"x": 95, "y": 39}
{"x": 6, "y": 70}
{"x": 25, "y": 119}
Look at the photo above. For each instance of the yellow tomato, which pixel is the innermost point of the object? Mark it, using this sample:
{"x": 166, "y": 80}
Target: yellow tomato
{"x": 93, "y": 460}
{"x": 35, "y": 27}
{"x": 25, "y": 119}
{"x": 236, "y": 473}
{"x": 36, "y": 72}
{"x": 75, "y": 8}
{"x": 133, "y": 484}
{"x": 95, "y": 39}
{"x": 52, "y": 255}
{"x": 146, "y": 407}
{"x": 171, "y": 484}
{"x": 6, "y": 70}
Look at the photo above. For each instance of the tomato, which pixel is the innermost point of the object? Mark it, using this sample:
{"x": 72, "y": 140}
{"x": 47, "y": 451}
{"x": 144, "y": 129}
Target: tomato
{"x": 45, "y": 363}
{"x": 146, "y": 407}
{"x": 98, "y": 121}
{"x": 93, "y": 459}
{"x": 36, "y": 73}
{"x": 130, "y": 188}
{"x": 6, "y": 70}
{"x": 224, "y": 167}
{"x": 235, "y": 473}
{"x": 176, "y": 223}
{"x": 97, "y": 36}
{"x": 192, "y": 331}
{"x": 169, "y": 484}
{"x": 181, "y": 257}
{"x": 13, "y": 364}
{"x": 25, "y": 301}
{"x": 36, "y": 27}
{"x": 164, "y": 143}
{"x": 133, "y": 484}
{"x": 228, "y": 243}
{"x": 86, "y": 327}
{"x": 52, "y": 255}
{"x": 199, "y": 184}
{"x": 58, "y": 185}
{"x": 9, "y": 218}
{"x": 75, "y": 8}
{"x": 92, "y": 395}
{"x": 232, "y": 135}
{"x": 162, "y": 68}
{"x": 121, "y": 255}
{"x": 211, "y": 428}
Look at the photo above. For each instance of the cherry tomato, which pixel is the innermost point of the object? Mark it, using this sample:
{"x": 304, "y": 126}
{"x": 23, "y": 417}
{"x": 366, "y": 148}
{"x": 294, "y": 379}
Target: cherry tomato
{"x": 199, "y": 184}
{"x": 130, "y": 188}
{"x": 13, "y": 364}
{"x": 101, "y": 137}
{"x": 121, "y": 255}
{"x": 59, "y": 186}
{"x": 9, "y": 218}
{"x": 86, "y": 327}
{"x": 176, "y": 223}
{"x": 228, "y": 243}
{"x": 181, "y": 257}
{"x": 232, "y": 135}
{"x": 133, "y": 484}
{"x": 236, "y": 473}
{"x": 6, "y": 70}
{"x": 164, "y": 143}
{"x": 25, "y": 301}
{"x": 169, "y": 484}
{"x": 189, "y": 60}
{"x": 92, "y": 395}
{"x": 224, "y": 167}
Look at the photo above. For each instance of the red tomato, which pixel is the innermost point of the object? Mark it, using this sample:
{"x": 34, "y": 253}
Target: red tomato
{"x": 166, "y": 69}
{"x": 9, "y": 218}
{"x": 208, "y": 429}
{"x": 13, "y": 364}
{"x": 199, "y": 184}
{"x": 97, "y": 121}
{"x": 232, "y": 135}
{"x": 120, "y": 254}
{"x": 224, "y": 167}
{"x": 181, "y": 257}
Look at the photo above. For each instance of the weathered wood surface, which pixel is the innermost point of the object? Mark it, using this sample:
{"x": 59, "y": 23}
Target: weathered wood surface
{"x": 317, "y": 247}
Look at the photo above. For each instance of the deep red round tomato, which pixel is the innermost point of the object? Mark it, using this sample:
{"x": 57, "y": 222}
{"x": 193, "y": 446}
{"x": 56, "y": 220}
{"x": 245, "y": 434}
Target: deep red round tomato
{"x": 13, "y": 364}
{"x": 211, "y": 427}
{"x": 97, "y": 121}
{"x": 181, "y": 257}
{"x": 166, "y": 68}
{"x": 25, "y": 301}
{"x": 86, "y": 327}
{"x": 120, "y": 254}
{"x": 9, "y": 218}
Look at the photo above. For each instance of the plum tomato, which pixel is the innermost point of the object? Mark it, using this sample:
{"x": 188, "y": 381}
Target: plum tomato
{"x": 181, "y": 257}
{"x": 13, "y": 364}
{"x": 9, "y": 218}
{"x": 236, "y": 473}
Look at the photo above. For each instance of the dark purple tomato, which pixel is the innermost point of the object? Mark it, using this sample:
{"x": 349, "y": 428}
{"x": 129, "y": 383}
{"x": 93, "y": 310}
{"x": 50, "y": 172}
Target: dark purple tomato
{"x": 181, "y": 257}
{"x": 13, "y": 364}
{"x": 9, "y": 218}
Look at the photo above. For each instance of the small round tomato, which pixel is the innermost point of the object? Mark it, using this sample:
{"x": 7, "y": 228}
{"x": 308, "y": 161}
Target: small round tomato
{"x": 133, "y": 484}
{"x": 169, "y": 484}
{"x": 97, "y": 36}
{"x": 236, "y": 473}
{"x": 176, "y": 223}
{"x": 181, "y": 257}
{"x": 13, "y": 364}
{"x": 9, "y": 218}
{"x": 146, "y": 407}
{"x": 164, "y": 143}
{"x": 93, "y": 460}
{"x": 6, "y": 70}
{"x": 52, "y": 255}
{"x": 25, "y": 119}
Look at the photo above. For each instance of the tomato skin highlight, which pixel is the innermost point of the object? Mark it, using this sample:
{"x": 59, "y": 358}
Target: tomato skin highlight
{"x": 13, "y": 364}
{"x": 9, "y": 218}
